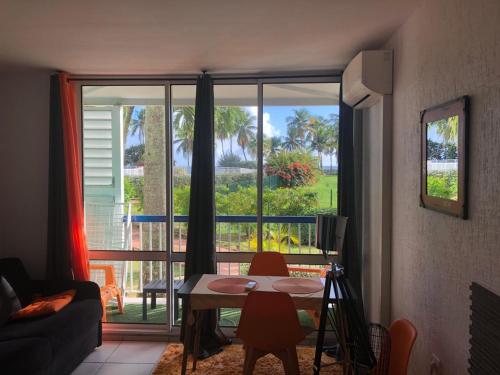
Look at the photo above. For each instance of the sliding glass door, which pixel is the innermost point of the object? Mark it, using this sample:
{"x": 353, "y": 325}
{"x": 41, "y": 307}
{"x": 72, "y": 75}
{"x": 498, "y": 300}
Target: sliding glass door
{"x": 275, "y": 147}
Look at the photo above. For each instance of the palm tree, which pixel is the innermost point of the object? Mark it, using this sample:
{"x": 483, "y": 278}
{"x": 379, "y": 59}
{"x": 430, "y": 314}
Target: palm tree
{"x": 275, "y": 144}
{"x": 184, "y": 130}
{"x": 225, "y": 120}
{"x": 320, "y": 136}
{"x": 292, "y": 140}
{"x": 447, "y": 128}
{"x": 128, "y": 110}
{"x": 138, "y": 124}
{"x": 333, "y": 138}
{"x": 300, "y": 122}
{"x": 245, "y": 130}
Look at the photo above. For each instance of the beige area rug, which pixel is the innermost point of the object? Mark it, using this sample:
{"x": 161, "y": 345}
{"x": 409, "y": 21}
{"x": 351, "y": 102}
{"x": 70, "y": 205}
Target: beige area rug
{"x": 230, "y": 362}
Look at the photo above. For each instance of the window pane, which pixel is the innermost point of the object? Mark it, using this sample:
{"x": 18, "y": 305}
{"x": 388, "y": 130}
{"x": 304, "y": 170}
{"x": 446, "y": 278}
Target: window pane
{"x": 124, "y": 167}
{"x": 300, "y": 162}
{"x": 235, "y": 118}
{"x": 183, "y": 107}
{"x": 132, "y": 279}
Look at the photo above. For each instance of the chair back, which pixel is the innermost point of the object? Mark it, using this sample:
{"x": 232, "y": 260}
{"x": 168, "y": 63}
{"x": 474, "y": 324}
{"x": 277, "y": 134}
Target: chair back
{"x": 268, "y": 264}
{"x": 269, "y": 322}
{"x": 403, "y": 335}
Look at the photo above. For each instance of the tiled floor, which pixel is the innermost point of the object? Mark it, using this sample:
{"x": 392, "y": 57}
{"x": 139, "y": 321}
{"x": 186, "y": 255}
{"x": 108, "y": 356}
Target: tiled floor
{"x": 122, "y": 358}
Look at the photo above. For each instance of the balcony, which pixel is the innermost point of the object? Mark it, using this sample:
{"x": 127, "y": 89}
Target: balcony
{"x": 235, "y": 242}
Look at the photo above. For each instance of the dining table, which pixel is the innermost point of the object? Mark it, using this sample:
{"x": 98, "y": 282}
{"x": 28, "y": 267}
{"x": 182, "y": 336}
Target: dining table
{"x": 197, "y": 295}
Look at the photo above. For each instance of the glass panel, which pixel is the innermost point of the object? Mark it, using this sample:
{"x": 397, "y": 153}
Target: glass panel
{"x": 183, "y": 107}
{"x": 132, "y": 279}
{"x": 442, "y": 158}
{"x": 124, "y": 167}
{"x": 236, "y": 167}
{"x": 300, "y": 162}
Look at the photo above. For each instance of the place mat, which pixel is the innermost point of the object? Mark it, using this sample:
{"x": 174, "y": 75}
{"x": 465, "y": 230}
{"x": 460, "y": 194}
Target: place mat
{"x": 295, "y": 285}
{"x": 230, "y": 285}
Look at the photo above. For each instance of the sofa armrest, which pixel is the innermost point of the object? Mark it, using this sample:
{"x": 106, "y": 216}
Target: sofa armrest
{"x": 84, "y": 289}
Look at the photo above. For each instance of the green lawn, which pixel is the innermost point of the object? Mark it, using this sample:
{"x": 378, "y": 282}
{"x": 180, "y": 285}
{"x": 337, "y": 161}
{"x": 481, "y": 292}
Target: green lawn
{"x": 228, "y": 317}
{"x": 326, "y": 186}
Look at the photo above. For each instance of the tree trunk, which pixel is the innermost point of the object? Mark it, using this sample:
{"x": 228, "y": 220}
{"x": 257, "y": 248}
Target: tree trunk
{"x": 154, "y": 172}
{"x": 244, "y": 155}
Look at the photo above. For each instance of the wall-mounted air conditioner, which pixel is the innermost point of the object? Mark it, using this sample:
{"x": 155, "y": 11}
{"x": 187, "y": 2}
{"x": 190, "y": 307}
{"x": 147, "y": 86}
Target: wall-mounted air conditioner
{"x": 367, "y": 77}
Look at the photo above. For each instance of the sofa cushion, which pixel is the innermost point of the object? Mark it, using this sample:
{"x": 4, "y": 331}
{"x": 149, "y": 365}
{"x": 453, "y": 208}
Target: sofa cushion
{"x": 43, "y": 306}
{"x": 9, "y": 303}
{"x": 31, "y": 355}
{"x": 15, "y": 273}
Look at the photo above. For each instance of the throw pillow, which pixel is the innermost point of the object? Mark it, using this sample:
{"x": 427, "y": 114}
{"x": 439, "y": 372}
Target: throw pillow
{"x": 45, "y": 305}
{"x": 9, "y": 303}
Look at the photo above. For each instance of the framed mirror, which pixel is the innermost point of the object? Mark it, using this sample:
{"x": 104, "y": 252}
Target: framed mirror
{"x": 444, "y": 163}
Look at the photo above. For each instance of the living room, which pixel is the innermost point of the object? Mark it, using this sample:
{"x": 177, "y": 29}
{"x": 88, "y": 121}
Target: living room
{"x": 144, "y": 144}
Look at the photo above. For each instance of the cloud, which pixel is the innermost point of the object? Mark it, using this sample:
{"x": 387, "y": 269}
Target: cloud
{"x": 268, "y": 128}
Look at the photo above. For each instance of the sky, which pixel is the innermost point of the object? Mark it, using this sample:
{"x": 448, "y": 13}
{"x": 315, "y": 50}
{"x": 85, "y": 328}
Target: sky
{"x": 274, "y": 124}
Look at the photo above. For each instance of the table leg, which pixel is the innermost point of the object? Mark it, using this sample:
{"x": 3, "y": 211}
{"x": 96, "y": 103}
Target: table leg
{"x": 176, "y": 305}
{"x": 187, "y": 334}
{"x": 153, "y": 300}
{"x": 144, "y": 305}
{"x": 197, "y": 337}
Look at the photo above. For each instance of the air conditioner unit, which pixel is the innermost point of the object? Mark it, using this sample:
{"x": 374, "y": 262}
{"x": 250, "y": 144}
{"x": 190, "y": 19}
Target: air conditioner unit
{"x": 367, "y": 77}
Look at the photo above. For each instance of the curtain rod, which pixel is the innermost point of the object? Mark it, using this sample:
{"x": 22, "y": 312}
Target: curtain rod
{"x": 220, "y": 76}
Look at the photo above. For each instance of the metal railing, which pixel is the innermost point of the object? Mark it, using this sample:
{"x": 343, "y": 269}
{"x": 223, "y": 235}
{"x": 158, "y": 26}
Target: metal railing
{"x": 234, "y": 234}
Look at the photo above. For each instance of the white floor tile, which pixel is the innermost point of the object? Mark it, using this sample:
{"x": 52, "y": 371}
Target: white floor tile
{"x": 102, "y": 353}
{"x": 126, "y": 369}
{"x": 87, "y": 369}
{"x": 137, "y": 352}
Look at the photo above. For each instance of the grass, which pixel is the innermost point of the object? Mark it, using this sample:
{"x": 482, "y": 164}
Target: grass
{"x": 326, "y": 186}
{"x": 133, "y": 314}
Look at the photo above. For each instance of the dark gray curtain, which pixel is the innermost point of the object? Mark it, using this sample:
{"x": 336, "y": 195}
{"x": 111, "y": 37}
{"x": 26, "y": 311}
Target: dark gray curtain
{"x": 58, "y": 256}
{"x": 200, "y": 248}
{"x": 349, "y": 194}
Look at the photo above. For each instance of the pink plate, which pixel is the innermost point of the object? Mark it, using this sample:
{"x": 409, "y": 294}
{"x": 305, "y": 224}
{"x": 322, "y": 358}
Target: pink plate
{"x": 232, "y": 285}
{"x": 295, "y": 285}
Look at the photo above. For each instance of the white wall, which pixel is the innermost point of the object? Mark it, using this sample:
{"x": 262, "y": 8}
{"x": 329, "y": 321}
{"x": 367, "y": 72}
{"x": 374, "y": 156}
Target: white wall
{"x": 446, "y": 49}
{"x": 24, "y": 140}
{"x": 377, "y": 214}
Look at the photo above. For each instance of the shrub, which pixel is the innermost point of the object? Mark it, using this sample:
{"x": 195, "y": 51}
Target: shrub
{"x": 293, "y": 168}
{"x": 443, "y": 185}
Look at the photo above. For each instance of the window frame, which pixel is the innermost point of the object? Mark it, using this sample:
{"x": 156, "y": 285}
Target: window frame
{"x": 121, "y": 330}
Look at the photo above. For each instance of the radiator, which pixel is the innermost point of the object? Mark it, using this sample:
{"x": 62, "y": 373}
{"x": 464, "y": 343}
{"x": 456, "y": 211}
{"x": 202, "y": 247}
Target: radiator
{"x": 484, "y": 358}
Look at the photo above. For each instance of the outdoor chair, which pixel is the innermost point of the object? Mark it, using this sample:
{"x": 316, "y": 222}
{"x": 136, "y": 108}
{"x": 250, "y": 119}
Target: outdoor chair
{"x": 108, "y": 227}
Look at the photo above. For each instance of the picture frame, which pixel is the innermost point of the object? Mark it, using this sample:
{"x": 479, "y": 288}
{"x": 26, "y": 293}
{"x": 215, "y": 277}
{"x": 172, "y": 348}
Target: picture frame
{"x": 444, "y": 157}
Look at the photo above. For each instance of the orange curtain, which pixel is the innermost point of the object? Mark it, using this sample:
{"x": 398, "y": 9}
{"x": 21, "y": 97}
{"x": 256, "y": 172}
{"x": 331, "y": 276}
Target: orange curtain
{"x": 77, "y": 242}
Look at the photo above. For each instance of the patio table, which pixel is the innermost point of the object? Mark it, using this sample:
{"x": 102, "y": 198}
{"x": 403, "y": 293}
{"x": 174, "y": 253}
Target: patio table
{"x": 159, "y": 286}
{"x": 197, "y": 296}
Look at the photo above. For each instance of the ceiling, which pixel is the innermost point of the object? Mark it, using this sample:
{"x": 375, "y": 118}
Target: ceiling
{"x": 275, "y": 94}
{"x": 186, "y": 36}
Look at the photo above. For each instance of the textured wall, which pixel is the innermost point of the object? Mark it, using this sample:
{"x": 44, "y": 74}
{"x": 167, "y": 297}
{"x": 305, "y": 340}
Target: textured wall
{"x": 24, "y": 148}
{"x": 447, "y": 48}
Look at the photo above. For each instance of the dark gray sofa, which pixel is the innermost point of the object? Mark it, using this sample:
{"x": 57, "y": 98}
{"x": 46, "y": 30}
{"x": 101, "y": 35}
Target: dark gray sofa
{"x": 55, "y": 344}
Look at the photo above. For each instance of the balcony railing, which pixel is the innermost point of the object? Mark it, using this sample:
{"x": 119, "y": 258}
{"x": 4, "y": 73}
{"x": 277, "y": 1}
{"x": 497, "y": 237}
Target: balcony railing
{"x": 234, "y": 234}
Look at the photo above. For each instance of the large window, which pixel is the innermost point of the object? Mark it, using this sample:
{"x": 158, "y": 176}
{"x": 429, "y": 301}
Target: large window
{"x": 275, "y": 147}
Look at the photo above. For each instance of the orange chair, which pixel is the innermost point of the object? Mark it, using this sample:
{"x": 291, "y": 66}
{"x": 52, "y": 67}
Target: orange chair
{"x": 268, "y": 264}
{"x": 110, "y": 289}
{"x": 264, "y": 330}
{"x": 403, "y": 335}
